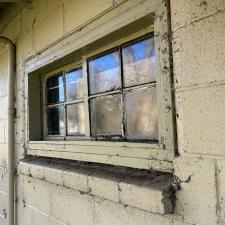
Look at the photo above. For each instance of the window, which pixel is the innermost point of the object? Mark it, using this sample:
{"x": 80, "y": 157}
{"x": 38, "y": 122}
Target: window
{"x": 64, "y": 106}
{"x": 121, "y": 98}
{"x": 106, "y": 91}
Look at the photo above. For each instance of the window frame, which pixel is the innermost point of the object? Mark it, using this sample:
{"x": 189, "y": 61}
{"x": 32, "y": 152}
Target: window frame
{"x": 87, "y": 96}
{"x": 138, "y": 155}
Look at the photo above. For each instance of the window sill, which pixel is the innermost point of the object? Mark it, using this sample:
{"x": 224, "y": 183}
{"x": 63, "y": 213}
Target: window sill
{"x": 136, "y": 155}
{"x": 140, "y": 189}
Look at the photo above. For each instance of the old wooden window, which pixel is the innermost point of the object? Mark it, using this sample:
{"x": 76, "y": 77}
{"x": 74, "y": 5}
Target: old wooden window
{"x": 121, "y": 96}
{"x": 106, "y": 91}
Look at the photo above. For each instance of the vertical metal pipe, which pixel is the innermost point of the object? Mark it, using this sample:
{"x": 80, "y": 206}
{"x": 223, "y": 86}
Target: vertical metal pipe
{"x": 11, "y": 115}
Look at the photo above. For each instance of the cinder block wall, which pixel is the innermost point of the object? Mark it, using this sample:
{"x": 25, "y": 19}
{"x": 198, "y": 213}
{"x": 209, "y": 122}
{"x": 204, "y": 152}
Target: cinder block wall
{"x": 198, "y": 55}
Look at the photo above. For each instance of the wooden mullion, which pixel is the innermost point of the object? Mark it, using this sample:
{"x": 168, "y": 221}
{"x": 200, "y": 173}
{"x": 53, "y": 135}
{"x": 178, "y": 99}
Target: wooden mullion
{"x": 86, "y": 99}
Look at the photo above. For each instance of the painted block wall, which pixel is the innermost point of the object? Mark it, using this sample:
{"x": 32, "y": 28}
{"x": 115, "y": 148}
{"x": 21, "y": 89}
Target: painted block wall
{"x": 198, "y": 31}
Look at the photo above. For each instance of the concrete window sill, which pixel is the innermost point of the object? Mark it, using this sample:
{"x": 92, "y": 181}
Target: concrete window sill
{"x": 141, "y": 189}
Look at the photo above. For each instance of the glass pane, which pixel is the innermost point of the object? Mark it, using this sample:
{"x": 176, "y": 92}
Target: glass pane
{"x": 139, "y": 62}
{"x": 55, "y": 121}
{"x": 106, "y": 115}
{"x": 74, "y": 84}
{"x": 104, "y": 73}
{"x": 75, "y": 119}
{"x": 55, "y": 89}
{"x": 142, "y": 114}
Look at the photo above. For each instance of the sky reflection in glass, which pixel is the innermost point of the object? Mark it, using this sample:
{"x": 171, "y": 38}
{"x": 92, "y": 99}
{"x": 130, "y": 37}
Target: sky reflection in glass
{"x": 104, "y": 73}
{"x": 55, "y": 89}
{"x": 139, "y": 62}
{"x": 74, "y": 84}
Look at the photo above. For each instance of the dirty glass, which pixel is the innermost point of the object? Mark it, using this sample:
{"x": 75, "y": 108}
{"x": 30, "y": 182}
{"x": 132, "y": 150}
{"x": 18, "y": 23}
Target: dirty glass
{"x": 74, "y": 84}
{"x": 55, "y": 118}
{"x": 55, "y": 89}
{"x": 141, "y": 114}
{"x": 139, "y": 62}
{"x": 75, "y": 119}
{"x": 104, "y": 73}
{"x": 106, "y": 115}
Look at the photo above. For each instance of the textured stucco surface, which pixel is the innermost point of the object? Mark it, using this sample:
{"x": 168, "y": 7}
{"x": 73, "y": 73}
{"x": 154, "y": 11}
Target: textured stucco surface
{"x": 198, "y": 30}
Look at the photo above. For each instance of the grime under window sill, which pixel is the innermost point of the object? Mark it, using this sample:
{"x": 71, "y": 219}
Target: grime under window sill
{"x": 147, "y": 190}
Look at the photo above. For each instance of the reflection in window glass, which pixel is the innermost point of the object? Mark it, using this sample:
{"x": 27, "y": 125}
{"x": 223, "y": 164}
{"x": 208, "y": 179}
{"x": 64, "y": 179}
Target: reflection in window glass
{"x": 74, "y": 84}
{"x": 139, "y": 62}
{"x": 142, "y": 114}
{"x": 55, "y": 89}
{"x": 106, "y": 115}
{"x": 75, "y": 119}
{"x": 55, "y": 118}
{"x": 104, "y": 73}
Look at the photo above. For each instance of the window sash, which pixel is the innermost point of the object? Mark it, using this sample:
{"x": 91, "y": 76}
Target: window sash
{"x": 87, "y": 96}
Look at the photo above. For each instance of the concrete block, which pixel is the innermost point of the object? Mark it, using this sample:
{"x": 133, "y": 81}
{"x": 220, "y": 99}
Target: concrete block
{"x": 2, "y": 131}
{"x": 3, "y": 205}
{"x": 49, "y": 30}
{"x": 84, "y": 12}
{"x": 3, "y": 221}
{"x": 3, "y": 156}
{"x": 31, "y": 169}
{"x": 186, "y": 12}
{"x": 108, "y": 212}
{"x": 76, "y": 179}
{"x": 3, "y": 180}
{"x": 105, "y": 185}
{"x": 13, "y": 28}
{"x": 37, "y": 193}
{"x": 54, "y": 175}
{"x": 201, "y": 45}
{"x": 221, "y": 190}
{"x": 196, "y": 200}
{"x": 24, "y": 168}
{"x": 53, "y": 221}
{"x": 151, "y": 194}
{"x": 3, "y": 110}
{"x": 25, "y": 214}
{"x": 40, "y": 218}
{"x": 71, "y": 207}
{"x": 24, "y": 49}
{"x": 39, "y": 10}
{"x": 201, "y": 125}
{"x": 52, "y": 5}
{"x": 28, "y": 19}
{"x": 3, "y": 79}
